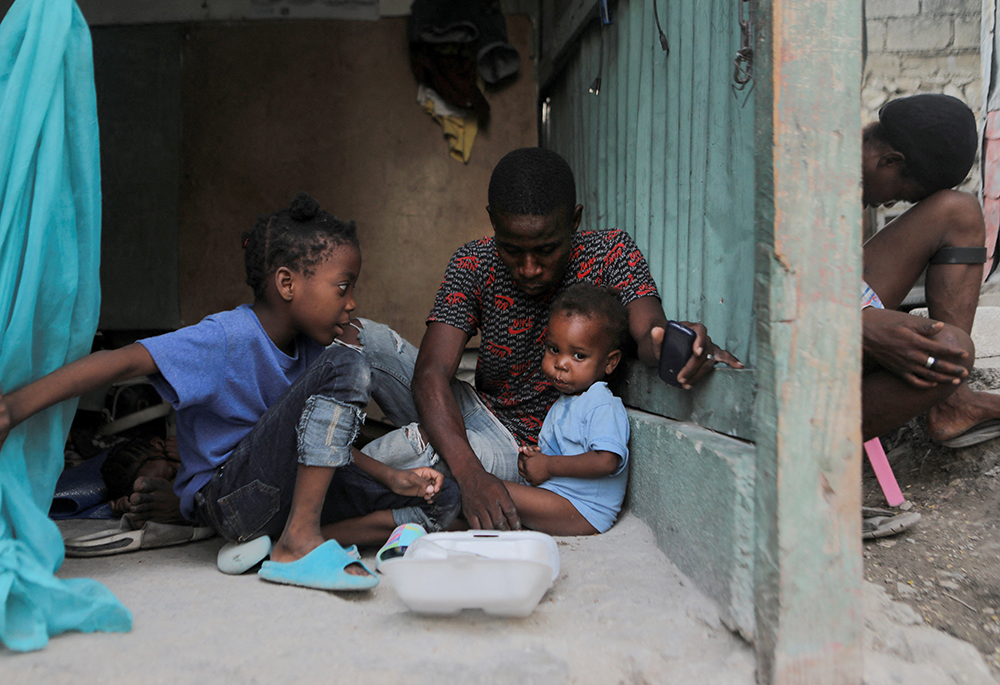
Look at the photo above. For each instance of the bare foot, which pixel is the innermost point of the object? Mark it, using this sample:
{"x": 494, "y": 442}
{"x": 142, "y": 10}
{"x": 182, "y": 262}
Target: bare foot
{"x": 120, "y": 506}
{"x": 960, "y": 412}
{"x": 290, "y": 548}
{"x": 153, "y": 499}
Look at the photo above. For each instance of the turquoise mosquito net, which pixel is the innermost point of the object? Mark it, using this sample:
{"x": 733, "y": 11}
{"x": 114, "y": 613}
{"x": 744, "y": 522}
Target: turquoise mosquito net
{"x": 50, "y": 234}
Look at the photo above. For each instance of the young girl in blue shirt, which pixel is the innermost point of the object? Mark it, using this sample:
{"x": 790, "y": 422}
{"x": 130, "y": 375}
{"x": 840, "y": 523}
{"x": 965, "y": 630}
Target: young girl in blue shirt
{"x": 268, "y": 408}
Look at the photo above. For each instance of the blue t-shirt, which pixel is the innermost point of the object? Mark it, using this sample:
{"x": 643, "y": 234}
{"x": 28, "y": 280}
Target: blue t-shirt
{"x": 220, "y": 375}
{"x": 595, "y": 420}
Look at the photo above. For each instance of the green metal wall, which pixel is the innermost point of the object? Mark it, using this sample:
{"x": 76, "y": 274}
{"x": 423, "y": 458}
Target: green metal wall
{"x": 665, "y": 152}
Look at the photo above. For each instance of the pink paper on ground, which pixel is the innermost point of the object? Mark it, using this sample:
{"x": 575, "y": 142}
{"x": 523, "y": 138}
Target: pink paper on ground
{"x": 879, "y": 462}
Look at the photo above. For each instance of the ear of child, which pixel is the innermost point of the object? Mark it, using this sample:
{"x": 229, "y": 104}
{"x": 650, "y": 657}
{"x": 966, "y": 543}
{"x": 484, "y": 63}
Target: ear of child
{"x": 614, "y": 358}
{"x": 316, "y": 302}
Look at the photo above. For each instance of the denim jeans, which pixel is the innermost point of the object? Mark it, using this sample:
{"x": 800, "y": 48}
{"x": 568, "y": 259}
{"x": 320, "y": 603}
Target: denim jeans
{"x": 354, "y": 493}
{"x": 392, "y": 360}
{"x": 314, "y": 423}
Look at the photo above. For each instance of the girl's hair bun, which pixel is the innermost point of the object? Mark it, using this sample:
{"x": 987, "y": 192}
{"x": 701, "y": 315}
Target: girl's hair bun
{"x": 304, "y": 207}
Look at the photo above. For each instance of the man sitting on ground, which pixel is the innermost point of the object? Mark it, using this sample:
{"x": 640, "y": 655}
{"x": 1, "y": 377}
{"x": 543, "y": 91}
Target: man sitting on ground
{"x": 921, "y": 147}
{"x": 501, "y": 287}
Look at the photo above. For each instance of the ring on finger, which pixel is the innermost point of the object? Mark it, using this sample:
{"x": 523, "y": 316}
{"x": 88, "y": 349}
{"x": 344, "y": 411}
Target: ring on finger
{"x": 931, "y": 361}
{"x": 710, "y": 357}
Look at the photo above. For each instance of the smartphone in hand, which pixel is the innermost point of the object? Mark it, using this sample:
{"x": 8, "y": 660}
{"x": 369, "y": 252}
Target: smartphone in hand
{"x": 677, "y": 348}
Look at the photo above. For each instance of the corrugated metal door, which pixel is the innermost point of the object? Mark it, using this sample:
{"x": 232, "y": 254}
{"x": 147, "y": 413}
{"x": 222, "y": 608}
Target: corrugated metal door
{"x": 665, "y": 151}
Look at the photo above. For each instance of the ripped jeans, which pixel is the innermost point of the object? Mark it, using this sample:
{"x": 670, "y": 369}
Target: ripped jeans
{"x": 392, "y": 360}
{"x": 314, "y": 423}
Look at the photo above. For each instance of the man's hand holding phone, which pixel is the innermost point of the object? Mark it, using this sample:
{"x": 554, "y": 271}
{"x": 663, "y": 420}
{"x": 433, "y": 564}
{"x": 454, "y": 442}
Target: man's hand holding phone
{"x": 687, "y": 354}
{"x": 675, "y": 352}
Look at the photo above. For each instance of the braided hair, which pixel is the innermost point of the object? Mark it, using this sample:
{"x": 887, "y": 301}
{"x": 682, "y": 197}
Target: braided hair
{"x": 298, "y": 238}
{"x": 595, "y": 302}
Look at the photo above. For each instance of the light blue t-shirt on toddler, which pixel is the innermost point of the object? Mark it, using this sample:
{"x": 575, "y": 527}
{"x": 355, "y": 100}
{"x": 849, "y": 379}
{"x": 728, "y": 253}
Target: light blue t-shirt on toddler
{"x": 575, "y": 424}
{"x": 220, "y": 375}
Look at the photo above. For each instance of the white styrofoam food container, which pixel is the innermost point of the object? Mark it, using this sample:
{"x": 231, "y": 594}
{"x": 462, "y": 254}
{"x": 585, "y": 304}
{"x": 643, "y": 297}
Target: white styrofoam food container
{"x": 502, "y": 573}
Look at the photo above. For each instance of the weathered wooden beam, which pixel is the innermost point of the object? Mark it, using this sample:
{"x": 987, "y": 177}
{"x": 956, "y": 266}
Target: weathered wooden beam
{"x": 559, "y": 33}
{"x": 808, "y": 218}
{"x": 118, "y": 12}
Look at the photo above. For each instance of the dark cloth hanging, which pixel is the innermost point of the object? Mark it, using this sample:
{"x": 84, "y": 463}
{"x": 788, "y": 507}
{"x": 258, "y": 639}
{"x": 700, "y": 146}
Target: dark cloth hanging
{"x": 451, "y": 43}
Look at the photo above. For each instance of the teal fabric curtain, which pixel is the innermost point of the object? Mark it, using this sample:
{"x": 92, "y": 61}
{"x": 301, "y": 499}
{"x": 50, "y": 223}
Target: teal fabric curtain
{"x": 50, "y": 226}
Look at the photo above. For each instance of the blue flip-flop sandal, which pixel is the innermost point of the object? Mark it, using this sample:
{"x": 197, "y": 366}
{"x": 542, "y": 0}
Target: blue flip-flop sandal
{"x": 324, "y": 568}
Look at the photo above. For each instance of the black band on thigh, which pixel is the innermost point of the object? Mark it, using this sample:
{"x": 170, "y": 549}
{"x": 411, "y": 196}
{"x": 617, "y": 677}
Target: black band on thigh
{"x": 959, "y": 255}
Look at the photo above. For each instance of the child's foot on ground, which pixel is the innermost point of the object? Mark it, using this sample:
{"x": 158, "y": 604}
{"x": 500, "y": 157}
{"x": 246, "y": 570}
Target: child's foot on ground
{"x": 288, "y": 549}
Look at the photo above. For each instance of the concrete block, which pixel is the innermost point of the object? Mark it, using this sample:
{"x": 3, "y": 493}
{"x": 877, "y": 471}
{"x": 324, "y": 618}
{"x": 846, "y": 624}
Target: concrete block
{"x": 973, "y": 97}
{"x": 942, "y": 66}
{"x": 892, "y": 8}
{"x": 952, "y": 7}
{"x": 954, "y": 91}
{"x": 918, "y": 34}
{"x": 966, "y": 33}
{"x": 695, "y": 489}
{"x": 921, "y": 67}
{"x": 881, "y": 63}
{"x": 906, "y": 85}
{"x": 963, "y": 65}
{"x": 873, "y": 98}
{"x": 876, "y": 35}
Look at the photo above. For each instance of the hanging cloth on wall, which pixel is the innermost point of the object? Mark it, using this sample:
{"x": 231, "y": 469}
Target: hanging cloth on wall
{"x": 477, "y": 23}
{"x": 50, "y": 213}
{"x": 454, "y": 48}
{"x": 449, "y": 70}
{"x": 459, "y": 126}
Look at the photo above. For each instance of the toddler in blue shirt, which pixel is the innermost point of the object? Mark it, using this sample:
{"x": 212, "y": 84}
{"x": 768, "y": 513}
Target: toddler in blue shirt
{"x": 580, "y": 466}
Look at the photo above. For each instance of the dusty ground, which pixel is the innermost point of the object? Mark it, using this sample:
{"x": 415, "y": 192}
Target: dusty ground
{"x": 947, "y": 567}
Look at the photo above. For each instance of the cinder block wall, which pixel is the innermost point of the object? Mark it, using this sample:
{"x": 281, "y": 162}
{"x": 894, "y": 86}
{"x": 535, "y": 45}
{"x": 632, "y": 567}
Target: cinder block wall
{"x": 923, "y": 46}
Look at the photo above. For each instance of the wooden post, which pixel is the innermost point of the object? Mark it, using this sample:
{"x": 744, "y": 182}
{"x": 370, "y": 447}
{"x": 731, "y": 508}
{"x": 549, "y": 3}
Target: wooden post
{"x": 807, "y": 594}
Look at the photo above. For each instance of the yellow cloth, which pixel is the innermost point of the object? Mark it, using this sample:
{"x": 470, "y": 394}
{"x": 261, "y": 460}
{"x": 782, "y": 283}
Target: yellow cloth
{"x": 458, "y": 131}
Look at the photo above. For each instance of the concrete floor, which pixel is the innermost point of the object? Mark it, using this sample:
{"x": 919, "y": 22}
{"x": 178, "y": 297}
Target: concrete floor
{"x": 618, "y": 612}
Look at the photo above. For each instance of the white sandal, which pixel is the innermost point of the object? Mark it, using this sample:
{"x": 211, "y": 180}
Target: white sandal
{"x": 239, "y": 557}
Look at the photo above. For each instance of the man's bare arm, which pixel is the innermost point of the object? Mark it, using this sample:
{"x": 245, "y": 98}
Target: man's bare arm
{"x": 646, "y": 323}
{"x": 485, "y": 501}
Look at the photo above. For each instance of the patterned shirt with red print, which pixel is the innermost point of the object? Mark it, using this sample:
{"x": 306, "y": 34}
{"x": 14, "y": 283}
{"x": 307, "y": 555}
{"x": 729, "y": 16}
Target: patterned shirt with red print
{"x": 479, "y": 295}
